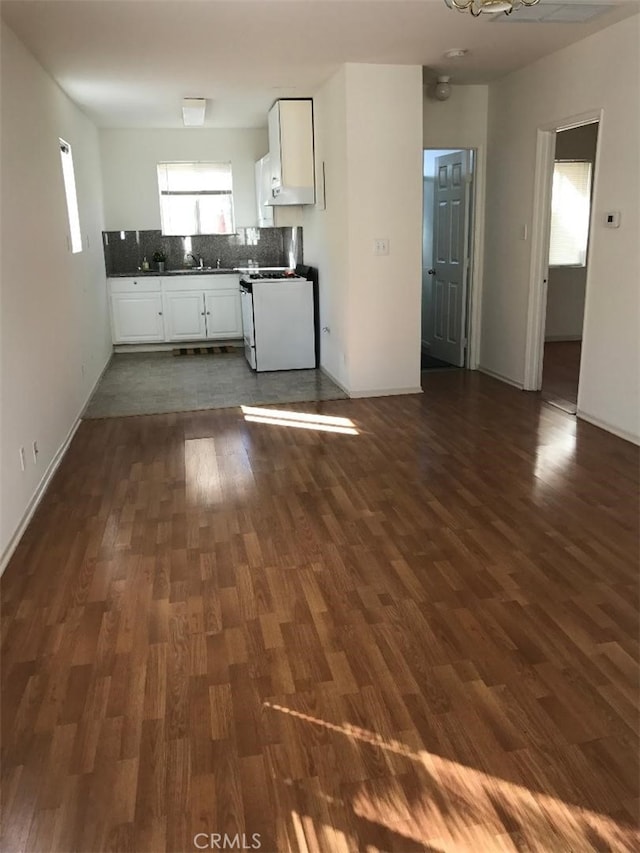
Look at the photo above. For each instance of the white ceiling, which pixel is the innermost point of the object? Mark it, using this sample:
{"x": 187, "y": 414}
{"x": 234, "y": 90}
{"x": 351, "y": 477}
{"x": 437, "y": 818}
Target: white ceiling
{"x": 129, "y": 63}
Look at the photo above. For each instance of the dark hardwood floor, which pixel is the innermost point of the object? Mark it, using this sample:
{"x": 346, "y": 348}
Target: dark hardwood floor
{"x": 561, "y": 374}
{"x": 422, "y": 636}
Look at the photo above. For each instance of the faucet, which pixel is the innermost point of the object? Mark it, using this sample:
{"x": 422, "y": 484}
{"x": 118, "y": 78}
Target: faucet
{"x": 197, "y": 260}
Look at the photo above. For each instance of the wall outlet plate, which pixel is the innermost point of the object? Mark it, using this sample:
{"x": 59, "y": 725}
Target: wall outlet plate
{"x": 381, "y": 246}
{"x": 612, "y": 219}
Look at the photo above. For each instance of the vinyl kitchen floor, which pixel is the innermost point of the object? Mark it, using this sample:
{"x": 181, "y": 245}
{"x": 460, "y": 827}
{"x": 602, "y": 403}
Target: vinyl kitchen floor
{"x": 158, "y": 383}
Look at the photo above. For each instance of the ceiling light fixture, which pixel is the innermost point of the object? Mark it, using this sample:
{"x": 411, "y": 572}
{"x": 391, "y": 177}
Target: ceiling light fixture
{"x": 193, "y": 110}
{"x": 488, "y": 7}
{"x": 442, "y": 90}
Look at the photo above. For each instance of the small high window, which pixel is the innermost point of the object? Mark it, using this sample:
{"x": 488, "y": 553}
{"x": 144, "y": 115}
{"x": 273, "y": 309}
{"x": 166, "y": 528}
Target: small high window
{"x": 196, "y": 198}
{"x": 71, "y": 194}
{"x": 570, "y": 213}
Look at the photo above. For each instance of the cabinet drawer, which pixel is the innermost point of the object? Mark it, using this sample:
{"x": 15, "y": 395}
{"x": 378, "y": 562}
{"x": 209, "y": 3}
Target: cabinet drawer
{"x": 193, "y": 281}
{"x": 144, "y": 284}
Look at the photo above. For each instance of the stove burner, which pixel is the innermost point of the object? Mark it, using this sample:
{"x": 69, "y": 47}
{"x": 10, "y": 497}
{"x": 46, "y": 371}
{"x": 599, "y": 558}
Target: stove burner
{"x": 273, "y": 275}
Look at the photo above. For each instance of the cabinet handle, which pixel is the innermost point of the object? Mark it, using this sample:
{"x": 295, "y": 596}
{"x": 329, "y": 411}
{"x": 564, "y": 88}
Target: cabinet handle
{"x": 208, "y": 313}
{"x": 160, "y": 313}
{"x": 202, "y": 313}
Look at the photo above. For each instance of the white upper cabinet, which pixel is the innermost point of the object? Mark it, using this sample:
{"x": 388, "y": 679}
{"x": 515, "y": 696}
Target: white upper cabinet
{"x": 291, "y": 152}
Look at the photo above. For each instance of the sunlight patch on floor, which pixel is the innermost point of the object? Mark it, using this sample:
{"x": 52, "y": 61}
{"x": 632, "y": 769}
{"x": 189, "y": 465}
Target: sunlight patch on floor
{"x": 299, "y": 420}
{"x": 458, "y": 807}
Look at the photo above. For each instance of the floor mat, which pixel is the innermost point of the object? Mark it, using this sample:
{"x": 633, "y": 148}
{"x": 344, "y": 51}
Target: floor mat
{"x": 211, "y": 350}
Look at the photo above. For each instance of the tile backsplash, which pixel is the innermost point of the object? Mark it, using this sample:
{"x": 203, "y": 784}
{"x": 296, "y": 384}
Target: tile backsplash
{"x": 124, "y": 251}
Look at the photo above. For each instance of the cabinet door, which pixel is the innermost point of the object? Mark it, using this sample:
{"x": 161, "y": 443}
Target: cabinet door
{"x": 274, "y": 147}
{"x": 263, "y": 192}
{"x": 224, "y": 319}
{"x": 184, "y": 313}
{"x": 296, "y": 143}
{"x": 137, "y": 318}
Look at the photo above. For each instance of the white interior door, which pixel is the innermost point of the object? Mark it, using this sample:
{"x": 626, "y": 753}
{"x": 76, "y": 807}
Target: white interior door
{"x": 450, "y": 257}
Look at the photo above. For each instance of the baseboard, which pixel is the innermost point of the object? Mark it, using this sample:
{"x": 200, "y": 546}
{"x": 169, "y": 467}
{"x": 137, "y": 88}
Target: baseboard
{"x": 41, "y": 488}
{"x": 335, "y": 381}
{"x": 122, "y": 348}
{"x": 370, "y": 392}
{"x": 597, "y": 422}
{"x": 500, "y": 377}
{"x": 385, "y": 392}
{"x": 561, "y": 338}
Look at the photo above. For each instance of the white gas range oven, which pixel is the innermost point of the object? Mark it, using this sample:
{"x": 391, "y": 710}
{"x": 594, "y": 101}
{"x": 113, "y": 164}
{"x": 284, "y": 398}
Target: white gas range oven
{"x": 278, "y": 321}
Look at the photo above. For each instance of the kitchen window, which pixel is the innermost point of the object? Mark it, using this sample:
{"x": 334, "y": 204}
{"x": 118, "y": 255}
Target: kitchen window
{"x": 196, "y": 198}
{"x": 69, "y": 178}
{"x": 570, "y": 213}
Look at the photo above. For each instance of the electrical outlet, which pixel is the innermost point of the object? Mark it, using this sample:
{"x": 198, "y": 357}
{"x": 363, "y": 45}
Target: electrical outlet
{"x": 35, "y": 452}
{"x": 23, "y": 461}
{"x": 381, "y": 246}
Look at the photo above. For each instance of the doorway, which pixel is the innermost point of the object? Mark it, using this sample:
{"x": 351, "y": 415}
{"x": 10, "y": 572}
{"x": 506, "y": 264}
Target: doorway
{"x": 446, "y": 256}
{"x": 571, "y": 195}
{"x": 536, "y": 333}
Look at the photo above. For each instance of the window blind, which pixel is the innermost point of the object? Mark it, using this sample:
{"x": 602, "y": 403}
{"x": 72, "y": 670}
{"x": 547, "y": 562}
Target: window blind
{"x": 194, "y": 177}
{"x": 196, "y": 198}
{"x": 570, "y": 213}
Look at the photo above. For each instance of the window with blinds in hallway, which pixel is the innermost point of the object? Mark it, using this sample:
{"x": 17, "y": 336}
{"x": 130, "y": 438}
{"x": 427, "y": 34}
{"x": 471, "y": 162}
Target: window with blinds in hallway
{"x": 196, "y": 198}
{"x": 570, "y": 213}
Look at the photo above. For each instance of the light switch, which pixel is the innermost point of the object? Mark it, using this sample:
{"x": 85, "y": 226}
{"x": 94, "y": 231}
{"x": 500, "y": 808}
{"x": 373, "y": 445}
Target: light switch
{"x": 381, "y": 246}
{"x": 612, "y": 219}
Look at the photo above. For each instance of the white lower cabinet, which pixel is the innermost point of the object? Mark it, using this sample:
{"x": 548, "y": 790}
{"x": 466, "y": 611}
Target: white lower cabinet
{"x": 167, "y": 309}
{"x": 137, "y": 318}
{"x": 223, "y": 315}
{"x": 184, "y": 316}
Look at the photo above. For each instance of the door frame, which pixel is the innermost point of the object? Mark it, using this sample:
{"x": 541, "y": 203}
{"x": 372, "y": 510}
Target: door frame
{"x": 540, "y": 237}
{"x": 473, "y": 308}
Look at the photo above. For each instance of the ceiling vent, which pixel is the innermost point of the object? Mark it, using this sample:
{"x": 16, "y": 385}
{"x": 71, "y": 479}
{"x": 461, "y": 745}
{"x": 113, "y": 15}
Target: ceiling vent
{"x": 554, "y": 13}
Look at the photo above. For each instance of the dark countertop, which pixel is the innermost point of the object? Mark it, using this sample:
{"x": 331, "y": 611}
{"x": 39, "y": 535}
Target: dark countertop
{"x": 193, "y": 271}
{"x": 196, "y": 271}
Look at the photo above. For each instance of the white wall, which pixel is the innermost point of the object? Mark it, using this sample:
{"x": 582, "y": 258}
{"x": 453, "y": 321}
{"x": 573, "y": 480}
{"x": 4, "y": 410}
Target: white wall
{"x": 565, "y": 303}
{"x": 566, "y": 287}
{"x": 565, "y": 84}
{"x": 130, "y": 157}
{"x": 368, "y": 131}
{"x": 326, "y": 232}
{"x": 460, "y": 122}
{"x": 55, "y": 337}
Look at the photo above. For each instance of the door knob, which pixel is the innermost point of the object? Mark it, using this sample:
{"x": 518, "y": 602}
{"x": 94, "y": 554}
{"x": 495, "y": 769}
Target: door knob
{"x": 431, "y": 272}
